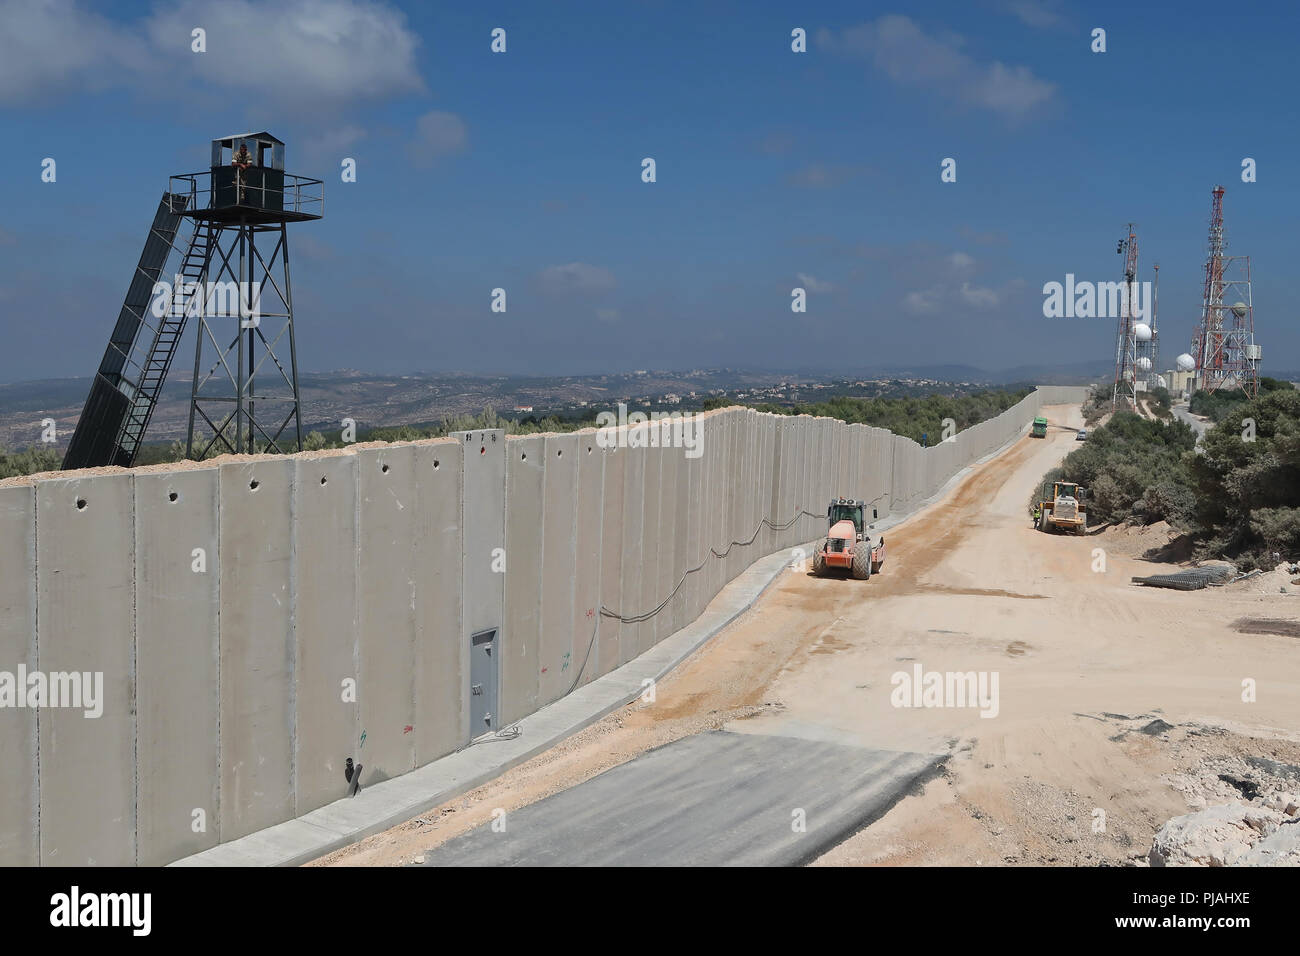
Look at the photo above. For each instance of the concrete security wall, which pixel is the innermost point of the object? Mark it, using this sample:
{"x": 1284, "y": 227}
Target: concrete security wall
{"x": 257, "y": 620}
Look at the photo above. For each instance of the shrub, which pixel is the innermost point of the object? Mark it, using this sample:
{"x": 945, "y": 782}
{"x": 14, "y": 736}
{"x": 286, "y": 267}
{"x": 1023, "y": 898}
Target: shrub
{"x": 35, "y": 459}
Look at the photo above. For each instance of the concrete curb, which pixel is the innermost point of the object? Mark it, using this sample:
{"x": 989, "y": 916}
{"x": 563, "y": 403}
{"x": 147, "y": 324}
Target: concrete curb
{"x": 394, "y": 801}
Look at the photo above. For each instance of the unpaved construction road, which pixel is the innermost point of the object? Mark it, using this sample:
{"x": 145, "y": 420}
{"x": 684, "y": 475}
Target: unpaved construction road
{"x": 1117, "y": 705}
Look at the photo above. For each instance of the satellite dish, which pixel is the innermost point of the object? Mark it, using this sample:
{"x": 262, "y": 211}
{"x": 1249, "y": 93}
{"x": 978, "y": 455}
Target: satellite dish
{"x": 1144, "y": 364}
{"x": 1239, "y": 309}
{"x": 1142, "y": 331}
{"x": 1185, "y": 362}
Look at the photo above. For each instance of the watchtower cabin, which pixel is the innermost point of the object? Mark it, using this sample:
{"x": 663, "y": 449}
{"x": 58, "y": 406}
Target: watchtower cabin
{"x": 232, "y": 276}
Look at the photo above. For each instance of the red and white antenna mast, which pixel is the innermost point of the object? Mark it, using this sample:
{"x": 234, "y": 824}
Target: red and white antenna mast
{"x": 1224, "y": 347}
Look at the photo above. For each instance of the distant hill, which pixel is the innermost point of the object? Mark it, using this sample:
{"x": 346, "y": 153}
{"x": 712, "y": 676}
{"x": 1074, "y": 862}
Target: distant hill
{"x": 390, "y": 400}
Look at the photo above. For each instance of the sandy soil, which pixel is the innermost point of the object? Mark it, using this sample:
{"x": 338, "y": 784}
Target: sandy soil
{"x": 1085, "y": 662}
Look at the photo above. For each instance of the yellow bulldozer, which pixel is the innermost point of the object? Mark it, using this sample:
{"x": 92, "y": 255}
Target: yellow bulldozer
{"x": 1065, "y": 509}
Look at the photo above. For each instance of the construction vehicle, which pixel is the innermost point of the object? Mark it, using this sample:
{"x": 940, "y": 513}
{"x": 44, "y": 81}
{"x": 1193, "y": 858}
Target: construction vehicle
{"x": 1040, "y": 428}
{"x": 849, "y": 545}
{"x": 1065, "y": 509}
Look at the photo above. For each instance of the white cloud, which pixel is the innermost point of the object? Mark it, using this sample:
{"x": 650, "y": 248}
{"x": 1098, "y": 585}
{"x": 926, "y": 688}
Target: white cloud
{"x": 978, "y": 297}
{"x": 52, "y": 46}
{"x": 909, "y": 56}
{"x": 1010, "y": 90}
{"x": 961, "y": 262}
{"x": 437, "y": 133}
{"x": 306, "y": 54}
{"x": 813, "y": 284}
{"x": 925, "y": 302}
{"x": 576, "y": 277}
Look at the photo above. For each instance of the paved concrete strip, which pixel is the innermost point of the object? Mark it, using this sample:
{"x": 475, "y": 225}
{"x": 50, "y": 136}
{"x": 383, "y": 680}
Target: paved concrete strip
{"x": 399, "y": 799}
{"x": 713, "y": 799}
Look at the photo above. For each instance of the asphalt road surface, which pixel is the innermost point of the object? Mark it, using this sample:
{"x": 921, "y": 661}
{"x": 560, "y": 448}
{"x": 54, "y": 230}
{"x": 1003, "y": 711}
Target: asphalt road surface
{"x": 712, "y": 799}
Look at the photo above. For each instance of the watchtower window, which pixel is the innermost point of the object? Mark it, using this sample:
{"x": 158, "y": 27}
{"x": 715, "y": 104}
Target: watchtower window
{"x": 264, "y": 150}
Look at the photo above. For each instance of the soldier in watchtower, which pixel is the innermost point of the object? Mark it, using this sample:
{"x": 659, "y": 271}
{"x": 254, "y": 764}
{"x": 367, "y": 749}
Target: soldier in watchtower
{"x": 242, "y": 161}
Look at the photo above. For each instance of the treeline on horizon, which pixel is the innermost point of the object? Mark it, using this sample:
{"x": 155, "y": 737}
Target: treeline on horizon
{"x": 1238, "y": 498}
{"x": 918, "y": 418}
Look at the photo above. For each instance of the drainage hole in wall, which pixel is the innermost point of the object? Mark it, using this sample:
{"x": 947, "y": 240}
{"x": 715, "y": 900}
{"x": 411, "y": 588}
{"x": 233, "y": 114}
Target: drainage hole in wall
{"x": 559, "y": 453}
{"x": 523, "y": 456}
{"x": 81, "y": 504}
{"x": 384, "y": 469}
{"x": 172, "y": 496}
{"x": 435, "y": 464}
{"x": 588, "y": 449}
{"x": 252, "y": 485}
{"x": 482, "y": 451}
{"x": 322, "y": 479}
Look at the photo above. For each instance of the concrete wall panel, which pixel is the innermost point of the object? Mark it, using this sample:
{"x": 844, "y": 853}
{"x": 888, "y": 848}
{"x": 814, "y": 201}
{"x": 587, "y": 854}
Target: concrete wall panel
{"x": 735, "y": 495}
{"x": 649, "y": 591}
{"x": 724, "y": 502}
{"x": 441, "y": 661}
{"x": 326, "y": 631}
{"x": 558, "y": 657}
{"x": 629, "y": 599}
{"x": 257, "y": 645}
{"x": 611, "y": 556}
{"x": 483, "y": 511}
{"x": 85, "y": 590}
{"x": 525, "y": 480}
{"x": 682, "y": 554}
{"x": 669, "y": 519}
{"x": 177, "y": 601}
{"x": 386, "y": 497}
{"x": 19, "y": 844}
{"x": 587, "y": 566}
{"x": 694, "y": 546}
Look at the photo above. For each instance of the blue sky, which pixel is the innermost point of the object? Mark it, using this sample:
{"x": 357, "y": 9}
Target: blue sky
{"x": 522, "y": 170}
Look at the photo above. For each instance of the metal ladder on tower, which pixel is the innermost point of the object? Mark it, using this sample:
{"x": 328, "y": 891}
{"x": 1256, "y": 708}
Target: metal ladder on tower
{"x": 167, "y": 336}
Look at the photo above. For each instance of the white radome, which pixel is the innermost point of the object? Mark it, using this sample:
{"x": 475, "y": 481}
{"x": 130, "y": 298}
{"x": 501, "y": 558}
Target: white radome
{"x": 1239, "y": 309}
{"x": 1160, "y": 382}
{"x": 1144, "y": 364}
{"x": 1142, "y": 332}
{"x": 1185, "y": 362}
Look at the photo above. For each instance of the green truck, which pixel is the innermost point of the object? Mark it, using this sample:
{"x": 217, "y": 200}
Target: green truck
{"x": 1040, "y": 428}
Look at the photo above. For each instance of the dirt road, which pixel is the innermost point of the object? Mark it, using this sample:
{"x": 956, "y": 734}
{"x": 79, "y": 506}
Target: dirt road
{"x": 1084, "y": 663}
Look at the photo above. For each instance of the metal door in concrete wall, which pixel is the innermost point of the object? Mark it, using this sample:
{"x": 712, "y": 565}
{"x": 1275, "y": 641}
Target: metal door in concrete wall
{"x": 483, "y": 683}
